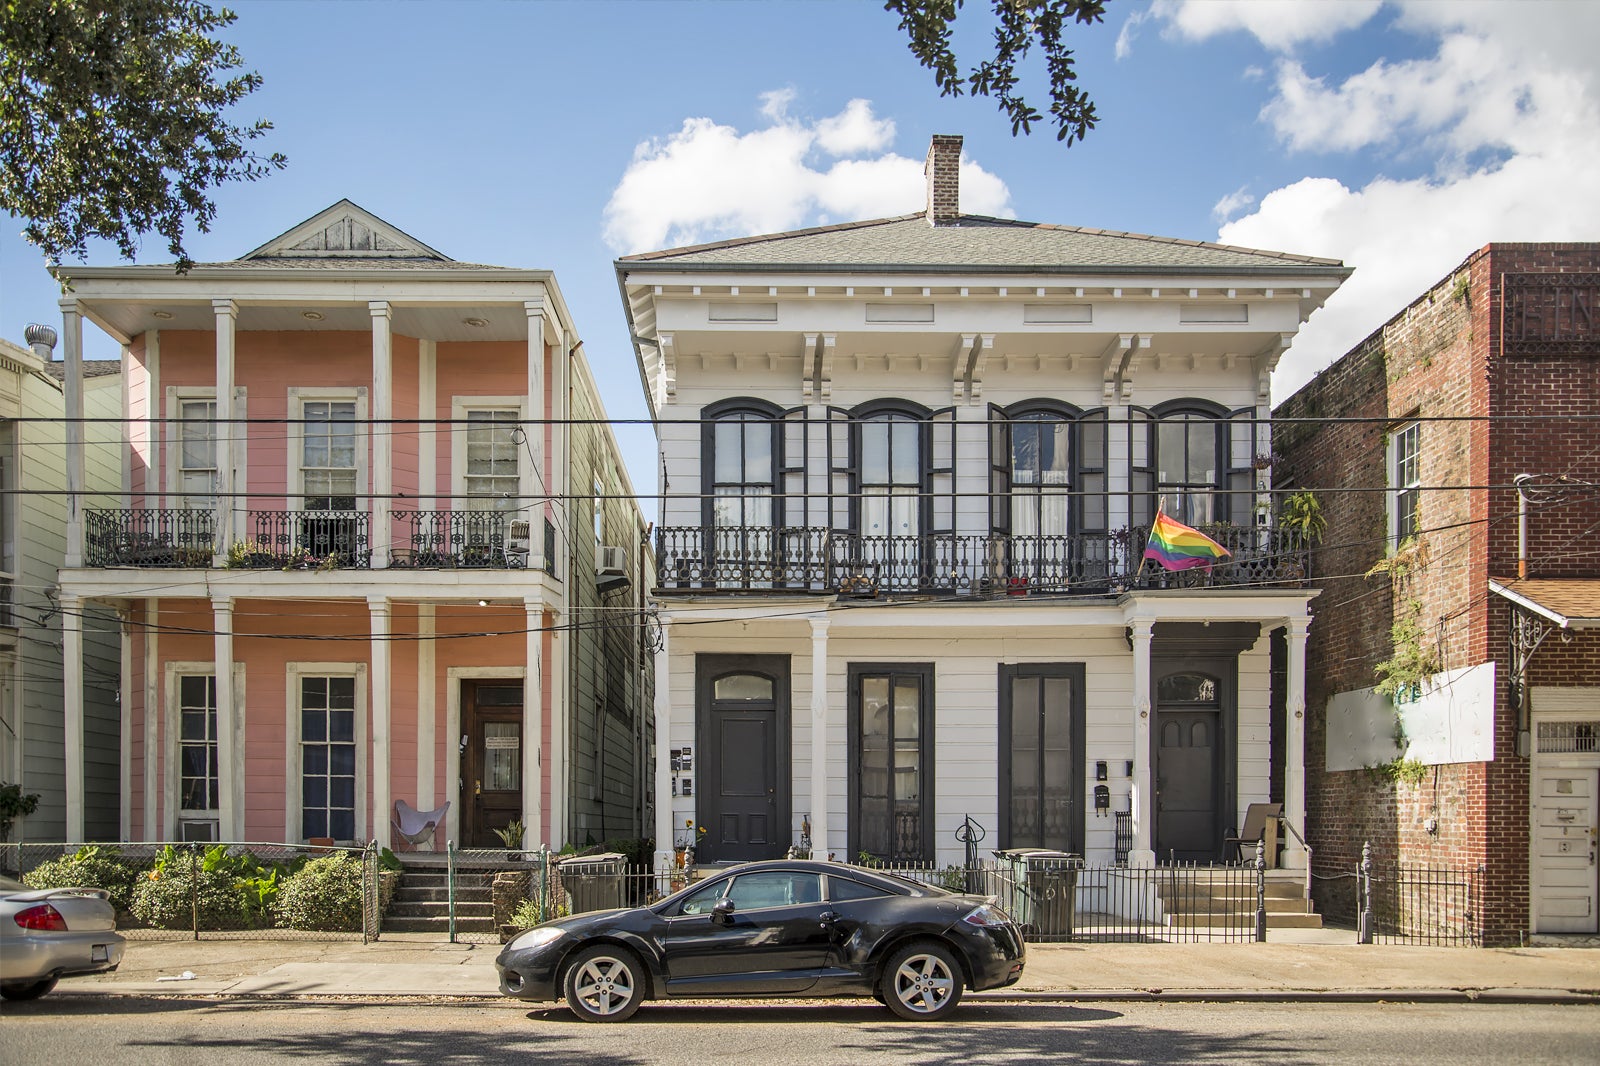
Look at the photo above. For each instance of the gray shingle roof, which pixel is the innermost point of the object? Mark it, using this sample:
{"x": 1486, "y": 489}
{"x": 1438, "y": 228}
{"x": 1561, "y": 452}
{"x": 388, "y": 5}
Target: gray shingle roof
{"x": 909, "y": 243}
{"x": 346, "y": 262}
{"x": 92, "y": 368}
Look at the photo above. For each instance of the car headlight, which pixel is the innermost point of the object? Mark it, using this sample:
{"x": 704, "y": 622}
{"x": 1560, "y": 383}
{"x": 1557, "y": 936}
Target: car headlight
{"x": 987, "y": 916}
{"x": 536, "y": 938}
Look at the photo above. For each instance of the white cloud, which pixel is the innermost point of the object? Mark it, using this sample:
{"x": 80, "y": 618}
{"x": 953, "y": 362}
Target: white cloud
{"x": 709, "y": 181}
{"x": 1278, "y": 24}
{"x": 855, "y": 130}
{"x": 1232, "y": 204}
{"x": 1506, "y": 118}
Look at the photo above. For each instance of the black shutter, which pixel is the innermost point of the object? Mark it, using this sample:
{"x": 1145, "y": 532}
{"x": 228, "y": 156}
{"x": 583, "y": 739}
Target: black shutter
{"x": 1240, "y": 466}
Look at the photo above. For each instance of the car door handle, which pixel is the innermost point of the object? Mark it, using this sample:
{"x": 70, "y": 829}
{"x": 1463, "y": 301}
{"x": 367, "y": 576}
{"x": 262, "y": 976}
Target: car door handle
{"x": 827, "y": 917}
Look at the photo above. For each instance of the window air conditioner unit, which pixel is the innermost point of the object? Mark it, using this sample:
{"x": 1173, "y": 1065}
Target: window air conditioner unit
{"x": 197, "y": 829}
{"x": 611, "y": 562}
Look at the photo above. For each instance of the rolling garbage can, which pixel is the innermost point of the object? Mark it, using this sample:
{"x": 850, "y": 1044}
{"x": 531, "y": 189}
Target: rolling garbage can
{"x": 593, "y": 882}
{"x": 1043, "y": 890}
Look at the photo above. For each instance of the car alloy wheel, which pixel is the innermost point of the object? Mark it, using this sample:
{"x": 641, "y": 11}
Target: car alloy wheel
{"x": 922, "y": 982}
{"x": 604, "y": 984}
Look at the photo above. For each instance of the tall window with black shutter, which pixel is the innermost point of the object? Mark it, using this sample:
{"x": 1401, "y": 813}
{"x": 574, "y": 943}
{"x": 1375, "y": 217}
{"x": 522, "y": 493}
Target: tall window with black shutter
{"x": 741, "y": 508}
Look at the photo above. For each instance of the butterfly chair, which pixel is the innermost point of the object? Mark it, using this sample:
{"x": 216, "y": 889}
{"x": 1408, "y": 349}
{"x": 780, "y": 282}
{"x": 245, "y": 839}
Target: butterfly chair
{"x": 417, "y": 826}
{"x": 1258, "y": 818}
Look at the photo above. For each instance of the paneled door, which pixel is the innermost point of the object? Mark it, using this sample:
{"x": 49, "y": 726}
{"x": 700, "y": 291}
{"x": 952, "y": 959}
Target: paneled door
{"x": 491, "y": 764}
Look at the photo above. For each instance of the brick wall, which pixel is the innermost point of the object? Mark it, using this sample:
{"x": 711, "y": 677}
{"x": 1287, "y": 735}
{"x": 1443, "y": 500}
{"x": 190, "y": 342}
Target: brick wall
{"x": 1441, "y": 357}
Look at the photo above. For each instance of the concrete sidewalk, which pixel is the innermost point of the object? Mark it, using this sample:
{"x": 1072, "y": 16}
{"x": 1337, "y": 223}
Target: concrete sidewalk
{"x": 1320, "y": 965}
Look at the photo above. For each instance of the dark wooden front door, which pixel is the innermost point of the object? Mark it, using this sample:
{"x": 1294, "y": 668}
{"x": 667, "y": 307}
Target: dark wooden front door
{"x": 1188, "y": 753}
{"x": 491, "y": 765}
{"x": 742, "y": 730}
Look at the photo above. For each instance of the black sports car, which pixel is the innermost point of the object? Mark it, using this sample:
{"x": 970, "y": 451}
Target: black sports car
{"x": 785, "y": 928}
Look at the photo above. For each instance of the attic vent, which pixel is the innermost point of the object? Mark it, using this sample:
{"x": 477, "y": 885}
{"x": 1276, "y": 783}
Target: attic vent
{"x": 1229, "y": 312}
{"x": 899, "y": 312}
{"x": 1058, "y": 312}
{"x": 742, "y": 312}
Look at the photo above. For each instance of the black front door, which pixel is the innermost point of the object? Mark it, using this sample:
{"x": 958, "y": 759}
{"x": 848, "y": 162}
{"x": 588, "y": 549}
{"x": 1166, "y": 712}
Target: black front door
{"x": 1042, "y": 756}
{"x": 742, "y": 726}
{"x": 1187, "y": 757}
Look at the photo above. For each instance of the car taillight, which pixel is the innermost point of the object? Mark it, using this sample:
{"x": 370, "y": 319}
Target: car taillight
{"x": 43, "y": 918}
{"x": 987, "y": 917}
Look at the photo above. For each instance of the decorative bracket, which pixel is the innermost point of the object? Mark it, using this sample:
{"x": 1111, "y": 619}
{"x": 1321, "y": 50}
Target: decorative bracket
{"x": 808, "y": 367}
{"x": 666, "y": 343}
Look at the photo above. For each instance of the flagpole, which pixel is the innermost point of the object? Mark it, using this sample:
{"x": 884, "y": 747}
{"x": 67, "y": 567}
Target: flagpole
{"x": 1161, "y": 501}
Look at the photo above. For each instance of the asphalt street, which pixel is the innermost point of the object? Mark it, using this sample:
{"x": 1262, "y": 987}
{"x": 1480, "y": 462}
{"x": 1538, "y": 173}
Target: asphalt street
{"x": 85, "y": 1029}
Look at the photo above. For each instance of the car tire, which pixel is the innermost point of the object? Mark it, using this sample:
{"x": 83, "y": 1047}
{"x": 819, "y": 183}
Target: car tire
{"x": 28, "y": 990}
{"x": 605, "y": 984}
{"x": 922, "y": 982}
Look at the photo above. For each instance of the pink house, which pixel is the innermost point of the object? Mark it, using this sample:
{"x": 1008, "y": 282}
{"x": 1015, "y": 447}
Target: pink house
{"x": 348, "y": 473}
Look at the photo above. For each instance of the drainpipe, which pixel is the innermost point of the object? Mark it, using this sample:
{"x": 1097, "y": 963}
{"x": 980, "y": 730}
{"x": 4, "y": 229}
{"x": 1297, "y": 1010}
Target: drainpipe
{"x": 1521, "y": 481}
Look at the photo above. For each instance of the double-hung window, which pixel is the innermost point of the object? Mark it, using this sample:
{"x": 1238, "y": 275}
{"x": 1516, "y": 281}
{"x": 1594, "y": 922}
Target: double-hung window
{"x": 198, "y": 771}
{"x": 493, "y": 475}
{"x": 1405, "y": 482}
{"x": 197, "y": 453}
{"x": 743, "y": 469}
{"x": 328, "y": 470}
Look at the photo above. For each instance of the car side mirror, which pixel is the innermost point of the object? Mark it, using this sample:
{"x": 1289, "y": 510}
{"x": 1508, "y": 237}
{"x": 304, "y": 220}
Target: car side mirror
{"x": 722, "y": 912}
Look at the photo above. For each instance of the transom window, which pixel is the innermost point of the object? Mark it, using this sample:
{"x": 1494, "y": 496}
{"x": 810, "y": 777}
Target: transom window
{"x": 1404, "y": 479}
{"x": 328, "y": 757}
{"x": 328, "y": 455}
{"x": 198, "y": 773}
{"x": 493, "y": 457}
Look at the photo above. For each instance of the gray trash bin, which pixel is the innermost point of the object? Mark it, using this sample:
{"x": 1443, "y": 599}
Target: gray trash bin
{"x": 1043, "y": 891}
{"x": 593, "y": 882}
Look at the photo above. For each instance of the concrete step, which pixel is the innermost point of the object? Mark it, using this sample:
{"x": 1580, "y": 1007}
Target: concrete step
{"x": 1245, "y": 919}
{"x": 401, "y": 909}
{"x": 439, "y": 925}
{"x": 440, "y": 894}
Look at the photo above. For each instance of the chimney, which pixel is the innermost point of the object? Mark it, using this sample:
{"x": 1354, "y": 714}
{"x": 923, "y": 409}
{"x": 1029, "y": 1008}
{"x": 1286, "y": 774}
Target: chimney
{"x": 943, "y": 170}
{"x": 42, "y": 339}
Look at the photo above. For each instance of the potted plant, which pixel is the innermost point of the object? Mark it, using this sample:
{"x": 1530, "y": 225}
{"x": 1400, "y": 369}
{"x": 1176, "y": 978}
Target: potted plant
{"x": 512, "y": 836}
{"x": 1301, "y": 513}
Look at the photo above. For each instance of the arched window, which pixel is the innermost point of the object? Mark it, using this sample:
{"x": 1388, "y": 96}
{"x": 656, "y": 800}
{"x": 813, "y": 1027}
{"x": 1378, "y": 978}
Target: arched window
{"x": 1195, "y": 456}
{"x": 1051, "y": 461}
{"x": 740, "y": 462}
{"x": 889, "y": 463}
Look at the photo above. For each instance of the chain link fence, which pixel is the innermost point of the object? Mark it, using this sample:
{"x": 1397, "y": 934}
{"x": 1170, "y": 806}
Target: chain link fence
{"x": 221, "y": 891}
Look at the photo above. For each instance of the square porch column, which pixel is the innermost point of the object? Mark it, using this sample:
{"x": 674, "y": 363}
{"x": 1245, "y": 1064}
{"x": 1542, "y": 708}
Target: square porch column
{"x": 663, "y": 708}
{"x": 819, "y": 738}
{"x": 72, "y": 353}
{"x": 1142, "y": 798}
{"x": 1294, "y": 747}
{"x": 230, "y": 761}
{"x": 381, "y": 431}
{"x": 378, "y": 610}
{"x": 72, "y": 712}
{"x": 228, "y": 434}
{"x": 533, "y": 728}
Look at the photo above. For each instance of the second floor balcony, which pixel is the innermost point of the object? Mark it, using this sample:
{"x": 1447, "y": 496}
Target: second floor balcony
{"x": 312, "y": 540}
{"x": 696, "y": 559}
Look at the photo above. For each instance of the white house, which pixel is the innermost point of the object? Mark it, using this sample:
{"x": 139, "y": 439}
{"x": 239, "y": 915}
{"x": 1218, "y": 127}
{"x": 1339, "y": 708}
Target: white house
{"x": 908, "y": 470}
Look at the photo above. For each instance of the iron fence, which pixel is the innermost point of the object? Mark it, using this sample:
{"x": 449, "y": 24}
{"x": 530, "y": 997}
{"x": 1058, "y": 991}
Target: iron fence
{"x": 220, "y": 891}
{"x": 1419, "y": 903}
{"x": 149, "y": 536}
{"x": 304, "y": 540}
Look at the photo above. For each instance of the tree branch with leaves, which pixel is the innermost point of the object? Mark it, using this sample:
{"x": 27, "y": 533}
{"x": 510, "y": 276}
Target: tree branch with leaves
{"x": 1020, "y": 26}
{"x": 111, "y": 121}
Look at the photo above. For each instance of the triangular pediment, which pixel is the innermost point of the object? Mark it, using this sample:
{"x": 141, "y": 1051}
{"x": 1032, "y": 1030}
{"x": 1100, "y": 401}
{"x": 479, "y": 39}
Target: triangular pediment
{"x": 345, "y": 231}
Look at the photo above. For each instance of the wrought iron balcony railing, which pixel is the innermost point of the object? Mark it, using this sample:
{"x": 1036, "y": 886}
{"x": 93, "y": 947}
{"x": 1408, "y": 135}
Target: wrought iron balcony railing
{"x": 149, "y": 536}
{"x": 309, "y": 540}
{"x": 496, "y": 540}
{"x": 753, "y": 559}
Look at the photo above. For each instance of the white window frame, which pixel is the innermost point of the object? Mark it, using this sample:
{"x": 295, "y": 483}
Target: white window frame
{"x": 293, "y": 808}
{"x": 230, "y": 778}
{"x": 176, "y": 396}
{"x": 1392, "y": 460}
{"x": 295, "y": 480}
{"x": 459, "y": 406}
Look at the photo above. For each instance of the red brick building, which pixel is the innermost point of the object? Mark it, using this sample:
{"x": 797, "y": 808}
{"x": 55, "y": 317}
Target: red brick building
{"x": 1477, "y": 603}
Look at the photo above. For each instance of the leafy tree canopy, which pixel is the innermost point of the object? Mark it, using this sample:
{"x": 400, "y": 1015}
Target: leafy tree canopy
{"x": 111, "y": 121}
{"x": 1019, "y": 26}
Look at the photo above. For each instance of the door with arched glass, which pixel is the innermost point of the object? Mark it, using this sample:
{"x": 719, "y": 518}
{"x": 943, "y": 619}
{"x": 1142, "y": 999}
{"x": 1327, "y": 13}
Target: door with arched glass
{"x": 742, "y": 733}
{"x": 1189, "y": 749}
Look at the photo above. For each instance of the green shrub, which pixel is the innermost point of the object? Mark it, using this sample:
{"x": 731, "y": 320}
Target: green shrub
{"x": 89, "y": 867}
{"x": 324, "y": 896}
{"x": 180, "y": 892}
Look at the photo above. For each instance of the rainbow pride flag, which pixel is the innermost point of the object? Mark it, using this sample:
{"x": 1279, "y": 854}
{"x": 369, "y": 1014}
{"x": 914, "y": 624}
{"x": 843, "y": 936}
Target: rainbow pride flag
{"x": 1178, "y": 547}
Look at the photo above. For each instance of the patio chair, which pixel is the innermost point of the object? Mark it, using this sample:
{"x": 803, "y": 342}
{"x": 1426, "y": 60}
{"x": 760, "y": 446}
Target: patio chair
{"x": 417, "y": 826}
{"x": 1258, "y": 818}
{"x": 518, "y": 546}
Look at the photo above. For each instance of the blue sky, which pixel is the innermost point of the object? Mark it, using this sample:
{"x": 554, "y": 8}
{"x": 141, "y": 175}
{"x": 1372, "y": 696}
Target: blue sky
{"x": 1396, "y": 136}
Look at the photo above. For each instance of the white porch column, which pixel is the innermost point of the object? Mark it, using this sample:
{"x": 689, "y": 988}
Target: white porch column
{"x": 1143, "y": 796}
{"x": 819, "y": 738}
{"x": 125, "y": 720}
{"x": 560, "y": 714}
{"x": 427, "y": 708}
{"x": 152, "y": 716}
{"x": 664, "y": 814}
{"x": 230, "y": 760}
{"x": 1294, "y": 743}
{"x": 228, "y": 435}
{"x": 72, "y": 711}
{"x": 537, "y": 409}
{"x": 533, "y": 759}
{"x": 381, "y": 433}
{"x": 378, "y": 693}
{"x": 72, "y": 353}
{"x": 428, "y": 431}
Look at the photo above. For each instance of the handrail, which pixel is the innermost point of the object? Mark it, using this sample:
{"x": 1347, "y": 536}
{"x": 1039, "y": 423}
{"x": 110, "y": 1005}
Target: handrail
{"x": 1307, "y": 849}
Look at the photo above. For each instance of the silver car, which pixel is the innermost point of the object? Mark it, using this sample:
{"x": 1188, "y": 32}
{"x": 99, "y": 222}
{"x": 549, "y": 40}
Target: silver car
{"x": 50, "y": 933}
